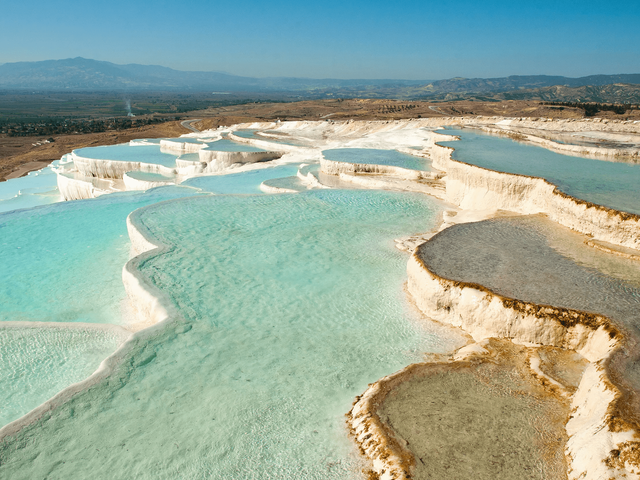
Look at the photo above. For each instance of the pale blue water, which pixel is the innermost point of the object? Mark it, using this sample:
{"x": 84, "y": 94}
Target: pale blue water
{"x": 63, "y": 262}
{"x": 248, "y": 133}
{"x": 291, "y": 183}
{"x": 226, "y": 145}
{"x": 37, "y": 363}
{"x": 47, "y": 255}
{"x": 377, "y": 157}
{"x": 291, "y": 305}
{"x": 36, "y": 188}
{"x": 248, "y": 182}
{"x": 126, "y": 153}
{"x": 191, "y": 157}
{"x": 615, "y": 185}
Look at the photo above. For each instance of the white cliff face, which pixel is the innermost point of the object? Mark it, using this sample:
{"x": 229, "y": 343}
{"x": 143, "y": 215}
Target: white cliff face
{"x": 484, "y": 314}
{"x": 91, "y": 167}
{"x": 472, "y": 187}
{"x": 132, "y": 183}
{"x": 77, "y": 187}
{"x": 264, "y": 144}
{"x": 333, "y": 167}
{"x": 217, "y": 161}
{"x": 181, "y": 147}
{"x": 631, "y": 155}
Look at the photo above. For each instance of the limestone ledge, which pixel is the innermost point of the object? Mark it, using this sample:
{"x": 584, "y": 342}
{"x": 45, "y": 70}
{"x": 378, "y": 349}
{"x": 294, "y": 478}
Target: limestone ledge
{"x": 631, "y": 155}
{"x": 132, "y": 183}
{"x": 595, "y": 440}
{"x": 143, "y": 297}
{"x": 266, "y": 188}
{"x": 332, "y": 167}
{"x": 217, "y": 161}
{"x": 91, "y": 167}
{"x": 472, "y": 187}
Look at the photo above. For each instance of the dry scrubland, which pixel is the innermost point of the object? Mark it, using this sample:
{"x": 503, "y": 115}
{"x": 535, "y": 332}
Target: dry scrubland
{"x": 18, "y": 154}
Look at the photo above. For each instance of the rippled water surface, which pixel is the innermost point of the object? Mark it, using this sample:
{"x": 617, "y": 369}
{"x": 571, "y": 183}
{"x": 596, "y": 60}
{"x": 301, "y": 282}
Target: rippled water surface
{"x": 291, "y": 304}
{"x": 37, "y": 363}
{"x": 63, "y": 262}
{"x": 36, "y": 188}
{"x": 611, "y": 184}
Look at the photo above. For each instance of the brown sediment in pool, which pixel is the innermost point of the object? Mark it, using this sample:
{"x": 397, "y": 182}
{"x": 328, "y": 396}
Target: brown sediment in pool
{"x": 485, "y": 417}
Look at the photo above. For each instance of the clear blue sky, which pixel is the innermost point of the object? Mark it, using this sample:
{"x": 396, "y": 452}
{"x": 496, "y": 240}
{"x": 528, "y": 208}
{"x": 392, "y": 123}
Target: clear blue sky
{"x": 321, "y": 39}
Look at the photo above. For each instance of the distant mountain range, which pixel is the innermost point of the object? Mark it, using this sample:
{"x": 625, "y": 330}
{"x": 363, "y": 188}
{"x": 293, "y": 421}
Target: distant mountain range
{"x": 81, "y": 74}
{"x": 84, "y": 74}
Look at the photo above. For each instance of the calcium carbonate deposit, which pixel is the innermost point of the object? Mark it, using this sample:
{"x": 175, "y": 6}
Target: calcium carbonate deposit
{"x": 171, "y": 320}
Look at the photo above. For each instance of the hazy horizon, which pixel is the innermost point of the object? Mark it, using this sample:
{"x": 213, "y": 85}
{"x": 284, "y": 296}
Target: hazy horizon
{"x": 412, "y": 40}
{"x": 319, "y": 78}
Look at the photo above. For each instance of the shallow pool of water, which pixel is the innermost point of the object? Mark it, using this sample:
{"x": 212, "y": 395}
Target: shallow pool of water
{"x": 247, "y": 182}
{"x": 291, "y": 305}
{"x": 63, "y": 262}
{"x": 128, "y": 153}
{"x": 611, "y": 184}
{"x": 36, "y": 188}
{"x": 36, "y": 363}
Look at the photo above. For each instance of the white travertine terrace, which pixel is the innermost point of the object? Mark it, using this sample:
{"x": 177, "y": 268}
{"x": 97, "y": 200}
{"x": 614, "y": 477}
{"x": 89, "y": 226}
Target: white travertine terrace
{"x": 602, "y": 153}
{"x": 471, "y": 187}
{"x": 264, "y": 144}
{"x": 217, "y": 161}
{"x": 92, "y": 167}
{"x": 481, "y": 313}
{"x": 132, "y": 183}
{"x": 182, "y": 147}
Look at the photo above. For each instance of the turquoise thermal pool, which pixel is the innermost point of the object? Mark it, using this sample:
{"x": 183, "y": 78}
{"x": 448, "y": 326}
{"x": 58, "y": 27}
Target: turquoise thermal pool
{"x": 289, "y": 306}
{"x": 63, "y": 262}
{"x": 246, "y": 182}
{"x": 36, "y": 188}
{"x": 614, "y": 185}
{"x": 127, "y": 153}
{"x": 377, "y": 157}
